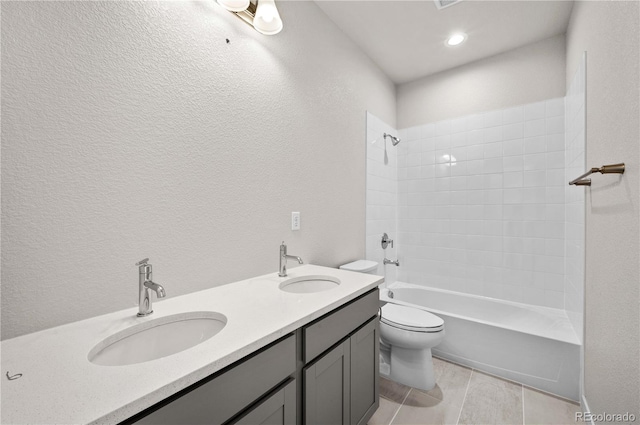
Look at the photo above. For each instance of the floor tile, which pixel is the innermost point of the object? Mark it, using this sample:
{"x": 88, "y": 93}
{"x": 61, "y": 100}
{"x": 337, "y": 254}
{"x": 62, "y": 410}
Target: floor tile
{"x": 386, "y": 411}
{"x": 393, "y": 391}
{"x": 451, "y": 381}
{"x": 421, "y": 408}
{"x": 492, "y": 401}
{"x": 545, "y": 409}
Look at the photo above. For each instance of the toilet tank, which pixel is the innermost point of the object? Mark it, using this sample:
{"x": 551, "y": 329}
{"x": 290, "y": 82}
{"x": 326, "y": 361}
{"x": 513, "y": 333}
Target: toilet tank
{"x": 361, "y": 266}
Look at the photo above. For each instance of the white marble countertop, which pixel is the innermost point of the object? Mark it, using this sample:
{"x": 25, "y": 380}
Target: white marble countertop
{"x": 59, "y": 385}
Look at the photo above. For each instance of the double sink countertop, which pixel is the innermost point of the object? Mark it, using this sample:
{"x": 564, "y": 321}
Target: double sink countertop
{"x": 60, "y": 385}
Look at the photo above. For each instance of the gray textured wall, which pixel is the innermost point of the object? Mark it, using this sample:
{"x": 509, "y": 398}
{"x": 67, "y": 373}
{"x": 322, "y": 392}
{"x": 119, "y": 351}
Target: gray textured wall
{"x": 527, "y": 74}
{"x": 609, "y": 33}
{"x": 132, "y": 130}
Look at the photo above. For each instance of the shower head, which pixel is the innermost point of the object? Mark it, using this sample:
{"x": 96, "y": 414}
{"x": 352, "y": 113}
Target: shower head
{"x": 394, "y": 139}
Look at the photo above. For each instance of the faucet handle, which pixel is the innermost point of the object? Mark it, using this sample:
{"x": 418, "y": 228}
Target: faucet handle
{"x": 386, "y": 241}
{"x": 142, "y": 262}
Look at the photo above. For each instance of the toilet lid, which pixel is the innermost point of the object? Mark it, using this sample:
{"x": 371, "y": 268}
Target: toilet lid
{"x": 410, "y": 318}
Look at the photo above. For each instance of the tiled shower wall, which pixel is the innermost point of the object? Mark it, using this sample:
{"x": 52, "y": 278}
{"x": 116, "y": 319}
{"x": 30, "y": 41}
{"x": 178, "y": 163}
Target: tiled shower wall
{"x": 575, "y": 199}
{"x": 382, "y": 189}
{"x": 481, "y": 204}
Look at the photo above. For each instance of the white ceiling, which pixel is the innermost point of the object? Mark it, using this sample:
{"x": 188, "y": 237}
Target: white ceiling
{"x": 406, "y": 38}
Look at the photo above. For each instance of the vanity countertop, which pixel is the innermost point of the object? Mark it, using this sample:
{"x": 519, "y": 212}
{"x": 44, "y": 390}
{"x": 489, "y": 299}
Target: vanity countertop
{"x": 60, "y": 385}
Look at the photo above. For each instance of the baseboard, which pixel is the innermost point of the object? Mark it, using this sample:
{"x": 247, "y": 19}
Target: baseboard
{"x": 585, "y": 408}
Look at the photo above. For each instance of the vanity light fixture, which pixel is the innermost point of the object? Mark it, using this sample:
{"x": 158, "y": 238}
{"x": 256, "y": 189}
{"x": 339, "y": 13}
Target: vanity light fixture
{"x": 260, "y": 14}
{"x": 234, "y": 5}
{"x": 267, "y": 20}
{"x": 456, "y": 39}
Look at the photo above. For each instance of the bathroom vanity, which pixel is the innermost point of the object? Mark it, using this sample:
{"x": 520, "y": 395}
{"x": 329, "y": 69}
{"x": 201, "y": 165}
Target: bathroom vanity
{"x": 325, "y": 372}
{"x": 282, "y": 357}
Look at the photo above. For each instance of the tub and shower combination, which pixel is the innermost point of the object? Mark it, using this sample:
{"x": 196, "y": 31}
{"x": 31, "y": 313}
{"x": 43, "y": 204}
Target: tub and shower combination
{"x": 533, "y": 345}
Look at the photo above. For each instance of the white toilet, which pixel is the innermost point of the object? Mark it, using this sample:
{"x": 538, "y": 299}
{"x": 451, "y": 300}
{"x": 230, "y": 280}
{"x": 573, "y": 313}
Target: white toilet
{"x": 407, "y": 336}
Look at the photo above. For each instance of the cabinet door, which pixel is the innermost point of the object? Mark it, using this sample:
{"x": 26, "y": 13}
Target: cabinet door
{"x": 326, "y": 388}
{"x": 278, "y": 409}
{"x": 365, "y": 358}
{"x": 214, "y": 401}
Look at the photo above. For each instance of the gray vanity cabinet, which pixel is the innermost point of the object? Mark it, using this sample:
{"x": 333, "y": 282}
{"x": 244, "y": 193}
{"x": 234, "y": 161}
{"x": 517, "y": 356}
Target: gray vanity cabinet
{"x": 324, "y": 373}
{"x": 365, "y": 379}
{"x": 326, "y": 388}
{"x": 341, "y": 385}
{"x": 277, "y": 409}
{"x": 259, "y": 385}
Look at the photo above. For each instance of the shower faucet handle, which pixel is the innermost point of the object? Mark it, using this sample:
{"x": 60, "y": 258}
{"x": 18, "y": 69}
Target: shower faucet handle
{"x": 386, "y": 241}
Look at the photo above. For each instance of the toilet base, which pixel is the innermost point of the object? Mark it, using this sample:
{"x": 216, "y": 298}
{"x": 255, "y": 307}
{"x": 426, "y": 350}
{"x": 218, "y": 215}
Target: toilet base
{"x": 412, "y": 367}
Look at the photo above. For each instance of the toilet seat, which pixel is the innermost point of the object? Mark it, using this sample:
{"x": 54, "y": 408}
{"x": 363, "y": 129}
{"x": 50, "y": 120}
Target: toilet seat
{"x": 410, "y": 319}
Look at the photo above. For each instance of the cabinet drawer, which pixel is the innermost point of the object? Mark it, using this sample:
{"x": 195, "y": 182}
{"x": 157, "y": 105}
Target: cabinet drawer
{"x": 229, "y": 393}
{"x": 278, "y": 408}
{"x": 328, "y": 330}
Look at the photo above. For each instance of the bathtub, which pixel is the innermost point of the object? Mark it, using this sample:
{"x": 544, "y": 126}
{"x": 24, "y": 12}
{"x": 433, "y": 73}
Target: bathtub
{"x": 533, "y": 345}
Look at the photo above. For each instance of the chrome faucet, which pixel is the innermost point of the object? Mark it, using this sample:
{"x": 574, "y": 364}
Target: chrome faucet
{"x": 397, "y": 262}
{"x": 144, "y": 284}
{"x": 283, "y": 260}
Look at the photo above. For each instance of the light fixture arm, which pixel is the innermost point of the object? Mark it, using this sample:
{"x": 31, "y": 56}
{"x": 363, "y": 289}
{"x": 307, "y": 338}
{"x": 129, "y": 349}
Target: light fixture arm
{"x": 262, "y": 15}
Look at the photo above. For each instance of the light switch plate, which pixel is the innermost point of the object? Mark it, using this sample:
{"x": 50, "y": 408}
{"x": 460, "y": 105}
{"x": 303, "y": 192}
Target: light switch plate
{"x": 295, "y": 221}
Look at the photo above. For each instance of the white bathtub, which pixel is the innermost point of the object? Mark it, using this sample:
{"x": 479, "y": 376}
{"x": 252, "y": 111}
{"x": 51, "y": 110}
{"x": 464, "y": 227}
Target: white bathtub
{"x": 533, "y": 345}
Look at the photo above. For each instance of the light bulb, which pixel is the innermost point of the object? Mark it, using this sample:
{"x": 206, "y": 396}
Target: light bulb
{"x": 267, "y": 20}
{"x": 234, "y": 5}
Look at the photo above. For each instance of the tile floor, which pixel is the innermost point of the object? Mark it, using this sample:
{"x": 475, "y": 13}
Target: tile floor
{"x": 468, "y": 396}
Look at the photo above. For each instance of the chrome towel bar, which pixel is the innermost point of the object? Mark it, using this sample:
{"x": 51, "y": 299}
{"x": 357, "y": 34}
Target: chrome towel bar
{"x": 605, "y": 169}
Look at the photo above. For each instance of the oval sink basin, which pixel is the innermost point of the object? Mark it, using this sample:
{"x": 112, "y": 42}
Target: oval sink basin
{"x": 157, "y": 338}
{"x": 309, "y": 284}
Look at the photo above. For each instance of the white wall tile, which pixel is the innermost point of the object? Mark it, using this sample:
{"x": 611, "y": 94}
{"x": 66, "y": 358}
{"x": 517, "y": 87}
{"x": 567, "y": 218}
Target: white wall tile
{"x": 513, "y": 131}
{"x": 534, "y": 111}
{"x": 513, "y": 147}
{"x": 555, "y": 159}
{"x": 427, "y": 131}
{"x": 481, "y": 206}
{"x": 443, "y": 128}
{"x": 513, "y": 179}
{"x": 554, "y": 107}
{"x": 493, "y": 150}
{"x": 534, "y": 128}
{"x": 475, "y": 152}
{"x": 513, "y": 115}
{"x": 493, "y": 134}
{"x": 458, "y": 139}
{"x": 413, "y": 133}
{"x": 493, "y": 165}
{"x": 443, "y": 141}
{"x": 513, "y": 163}
{"x": 475, "y": 137}
{"x": 574, "y": 165}
{"x": 535, "y": 178}
{"x": 555, "y": 142}
{"x": 458, "y": 169}
{"x": 555, "y": 125}
{"x": 475, "y": 122}
{"x": 492, "y": 119}
{"x": 535, "y": 162}
{"x": 535, "y": 144}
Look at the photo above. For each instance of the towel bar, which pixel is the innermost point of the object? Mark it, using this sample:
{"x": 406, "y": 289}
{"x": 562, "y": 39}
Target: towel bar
{"x": 605, "y": 169}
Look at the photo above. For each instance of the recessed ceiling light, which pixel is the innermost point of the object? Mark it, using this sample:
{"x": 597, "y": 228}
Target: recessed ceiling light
{"x": 456, "y": 39}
